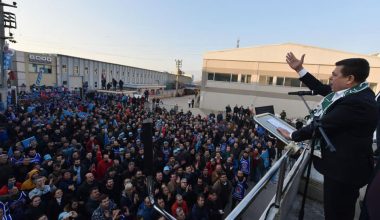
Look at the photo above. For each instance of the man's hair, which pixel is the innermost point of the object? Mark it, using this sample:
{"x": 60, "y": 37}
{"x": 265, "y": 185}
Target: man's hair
{"x": 103, "y": 197}
{"x": 92, "y": 189}
{"x": 358, "y": 67}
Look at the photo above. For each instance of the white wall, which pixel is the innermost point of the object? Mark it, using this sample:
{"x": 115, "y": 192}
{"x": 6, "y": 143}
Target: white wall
{"x": 218, "y": 101}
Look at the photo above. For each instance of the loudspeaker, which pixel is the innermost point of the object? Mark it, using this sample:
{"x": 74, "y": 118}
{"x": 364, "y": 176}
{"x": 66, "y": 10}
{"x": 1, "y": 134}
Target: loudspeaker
{"x": 146, "y": 139}
{"x": 13, "y": 95}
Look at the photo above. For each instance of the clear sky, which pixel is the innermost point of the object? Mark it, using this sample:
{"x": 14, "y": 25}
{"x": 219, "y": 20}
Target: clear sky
{"x": 153, "y": 33}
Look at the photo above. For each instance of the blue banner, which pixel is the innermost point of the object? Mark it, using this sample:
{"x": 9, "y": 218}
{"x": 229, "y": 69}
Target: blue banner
{"x": 26, "y": 142}
{"x": 39, "y": 77}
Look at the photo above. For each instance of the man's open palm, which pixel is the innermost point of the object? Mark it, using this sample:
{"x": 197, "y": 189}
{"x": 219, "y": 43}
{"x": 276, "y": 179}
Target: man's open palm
{"x": 293, "y": 62}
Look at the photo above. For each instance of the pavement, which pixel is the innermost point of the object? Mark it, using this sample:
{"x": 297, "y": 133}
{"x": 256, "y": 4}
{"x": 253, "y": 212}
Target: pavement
{"x": 169, "y": 103}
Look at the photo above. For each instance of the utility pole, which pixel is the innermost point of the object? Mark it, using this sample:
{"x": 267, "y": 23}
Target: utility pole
{"x": 7, "y": 20}
{"x": 178, "y": 64}
{"x": 238, "y": 43}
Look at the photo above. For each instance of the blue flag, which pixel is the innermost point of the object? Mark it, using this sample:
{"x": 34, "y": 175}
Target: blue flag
{"x": 26, "y": 142}
{"x": 106, "y": 139}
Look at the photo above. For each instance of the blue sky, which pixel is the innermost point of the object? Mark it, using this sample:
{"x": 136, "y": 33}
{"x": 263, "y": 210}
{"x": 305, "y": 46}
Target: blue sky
{"x": 153, "y": 33}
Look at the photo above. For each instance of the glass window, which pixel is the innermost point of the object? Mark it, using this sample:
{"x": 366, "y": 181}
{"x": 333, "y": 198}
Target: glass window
{"x": 210, "y": 76}
{"x": 270, "y": 80}
{"x": 64, "y": 68}
{"x": 234, "y": 78}
{"x": 76, "y": 69}
{"x": 224, "y": 77}
{"x": 242, "y": 79}
{"x": 265, "y": 80}
{"x": 248, "y": 78}
{"x": 48, "y": 69}
{"x": 280, "y": 81}
{"x": 292, "y": 82}
{"x": 86, "y": 70}
{"x": 35, "y": 68}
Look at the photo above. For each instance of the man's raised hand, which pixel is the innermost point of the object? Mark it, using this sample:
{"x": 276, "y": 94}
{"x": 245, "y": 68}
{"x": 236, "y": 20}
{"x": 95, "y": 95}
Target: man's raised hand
{"x": 293, "y": 62}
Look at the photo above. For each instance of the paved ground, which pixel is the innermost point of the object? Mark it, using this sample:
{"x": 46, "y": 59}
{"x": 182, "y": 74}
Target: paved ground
{"x": 182, "y": 104}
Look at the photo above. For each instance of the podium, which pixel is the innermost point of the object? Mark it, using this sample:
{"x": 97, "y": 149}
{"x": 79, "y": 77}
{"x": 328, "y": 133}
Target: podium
{"x": 271, "y": 123}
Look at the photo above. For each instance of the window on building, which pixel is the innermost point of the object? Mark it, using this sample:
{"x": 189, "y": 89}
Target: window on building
{"x": 64, "y": 69}
{"x": 234, "y": 78}
{"x": 292, "y": 82}
{"x": 265, "y": 80}
{"x": 242, "y": 79}
{"x": 224, "y": 77}
{"x": 86, "y": 70}
{"x": 35, "y": 68}
{"x": 280, "y": 81}
{"x": 210, "y": 76}
{"x": 76, "y": 69}
{"x": 249, "y": 78}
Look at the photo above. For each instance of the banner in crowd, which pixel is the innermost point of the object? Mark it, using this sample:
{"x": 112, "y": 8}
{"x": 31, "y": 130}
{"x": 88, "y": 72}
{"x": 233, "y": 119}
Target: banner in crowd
{"x": 7, "y": 57}
{"x": 26, "y": 142}
{"x": 39, "y": 77}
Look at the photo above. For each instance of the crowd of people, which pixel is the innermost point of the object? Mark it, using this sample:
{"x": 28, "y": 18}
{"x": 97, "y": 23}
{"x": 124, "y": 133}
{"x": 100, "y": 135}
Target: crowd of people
{"x": 63, "y": 157}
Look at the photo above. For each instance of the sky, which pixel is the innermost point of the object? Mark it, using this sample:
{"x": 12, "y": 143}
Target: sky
{"x": 152, "y": 34}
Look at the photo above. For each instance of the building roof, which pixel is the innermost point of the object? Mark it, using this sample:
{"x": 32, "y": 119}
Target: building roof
{"x": 276, "y": 53}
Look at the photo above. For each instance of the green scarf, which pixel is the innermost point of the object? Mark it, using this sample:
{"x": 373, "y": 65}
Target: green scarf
{"x": 327, "y": 101}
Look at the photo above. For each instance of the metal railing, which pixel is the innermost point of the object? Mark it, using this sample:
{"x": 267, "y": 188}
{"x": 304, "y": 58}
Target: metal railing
{"x": 250, "y": 197}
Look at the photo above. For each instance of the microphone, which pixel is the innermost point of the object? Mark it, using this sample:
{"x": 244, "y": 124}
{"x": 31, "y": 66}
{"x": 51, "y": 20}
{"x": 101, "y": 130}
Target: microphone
{"x": 300, "y": 93}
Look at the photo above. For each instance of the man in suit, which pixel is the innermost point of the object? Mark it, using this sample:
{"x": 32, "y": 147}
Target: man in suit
{"x": 348, "y": 115}
{"x": 377, "y": 151}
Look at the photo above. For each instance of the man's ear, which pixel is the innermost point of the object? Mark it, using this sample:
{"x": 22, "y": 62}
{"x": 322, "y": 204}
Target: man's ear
{"x": 351, "y": 79}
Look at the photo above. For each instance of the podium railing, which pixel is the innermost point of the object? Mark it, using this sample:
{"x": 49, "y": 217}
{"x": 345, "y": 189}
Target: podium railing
{"x": 279, "y": 165}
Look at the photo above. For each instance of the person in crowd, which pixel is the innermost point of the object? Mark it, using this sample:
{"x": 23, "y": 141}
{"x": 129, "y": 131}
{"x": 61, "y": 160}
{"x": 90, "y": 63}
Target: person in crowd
{"x": 222, "y": 188}
{"x": 179, "y": 203}
{"x": 105, "y": 210}
{"x": 146, "y": 210}
{"x": 199, "y": 210}
{"x": 239, "y": 188}
{"x": 56, "y": 204}
{"x": 36, "y": 209}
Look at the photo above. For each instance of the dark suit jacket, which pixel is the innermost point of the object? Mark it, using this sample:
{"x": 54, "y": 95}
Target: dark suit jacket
{"x": 349, "y": 123}
{"x": 378, "y": 126}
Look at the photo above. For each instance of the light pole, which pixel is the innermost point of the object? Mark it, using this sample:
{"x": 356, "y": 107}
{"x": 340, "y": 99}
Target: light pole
{"x": 7, "y": 20}
{"x": 178, "y": 65}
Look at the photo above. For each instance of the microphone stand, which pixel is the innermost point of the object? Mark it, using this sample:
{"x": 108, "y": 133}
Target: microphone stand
{"x": 148, "y": 159}
{"x": 316, "y": 124}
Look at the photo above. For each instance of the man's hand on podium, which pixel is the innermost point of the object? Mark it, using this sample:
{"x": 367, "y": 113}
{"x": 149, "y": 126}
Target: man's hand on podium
{"x": 284, "y": 133}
